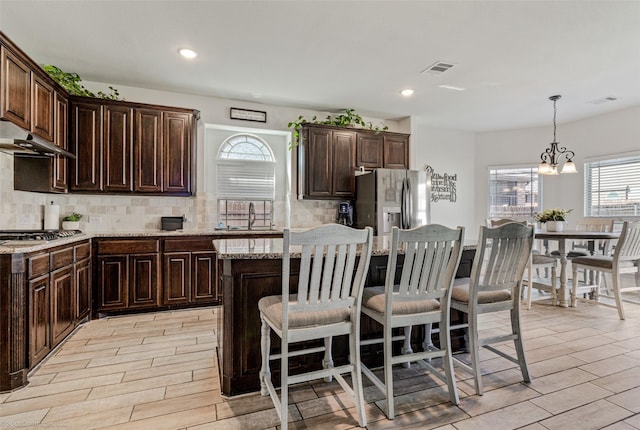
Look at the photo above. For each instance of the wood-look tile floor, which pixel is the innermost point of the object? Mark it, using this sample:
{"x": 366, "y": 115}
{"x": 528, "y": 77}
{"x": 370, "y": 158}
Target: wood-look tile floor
{"x": 157, "y": 371}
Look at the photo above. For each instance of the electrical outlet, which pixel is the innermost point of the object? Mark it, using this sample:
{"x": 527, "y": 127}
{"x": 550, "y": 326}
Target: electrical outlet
{"x": 95, "y": 220}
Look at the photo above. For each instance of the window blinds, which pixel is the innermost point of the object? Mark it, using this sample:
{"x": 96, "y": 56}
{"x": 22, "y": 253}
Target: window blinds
{"x": 612, "y": 187}
{"x": 246, "y": 180}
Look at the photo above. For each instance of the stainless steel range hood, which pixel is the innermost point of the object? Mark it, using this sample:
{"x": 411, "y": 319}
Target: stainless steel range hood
{"x": 13, "y": 139}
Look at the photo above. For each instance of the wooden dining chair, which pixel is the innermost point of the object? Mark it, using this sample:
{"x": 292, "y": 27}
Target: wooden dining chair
{"x": 431, "y": 256}
{"x": 334, "y": 260}
{"x": 495, "y": 283}
{"x": 625, "y": 259}
{"x": 541, "y": 269}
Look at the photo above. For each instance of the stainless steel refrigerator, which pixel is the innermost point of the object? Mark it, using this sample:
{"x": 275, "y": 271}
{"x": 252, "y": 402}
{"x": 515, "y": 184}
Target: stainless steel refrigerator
{"x": 392, "y": 197}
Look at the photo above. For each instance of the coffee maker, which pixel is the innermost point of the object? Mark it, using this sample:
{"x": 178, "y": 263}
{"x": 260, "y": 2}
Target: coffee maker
{"x": 345, "y": 213}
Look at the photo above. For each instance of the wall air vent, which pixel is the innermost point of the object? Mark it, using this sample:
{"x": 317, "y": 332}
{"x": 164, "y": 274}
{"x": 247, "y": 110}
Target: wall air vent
{"x": 603, "y": 100}
{"x": 437, "y": 68}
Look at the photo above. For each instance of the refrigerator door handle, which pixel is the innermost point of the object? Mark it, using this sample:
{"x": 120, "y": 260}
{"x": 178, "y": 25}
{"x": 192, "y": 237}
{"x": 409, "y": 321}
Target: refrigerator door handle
{"x": 403, "y": 199}
{"x": 409, "y": 210}
{"x": 405, "y": 205}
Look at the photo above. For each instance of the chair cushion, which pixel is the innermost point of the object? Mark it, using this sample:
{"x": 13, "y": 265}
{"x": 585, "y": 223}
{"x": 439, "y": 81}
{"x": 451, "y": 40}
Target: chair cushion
{"x": 460, "y": 293}
{"x": 601, "y": 262}
{"x": 374, "y": 298}
{"x": 271, "y": 307}
{"x": 542, "y": 259}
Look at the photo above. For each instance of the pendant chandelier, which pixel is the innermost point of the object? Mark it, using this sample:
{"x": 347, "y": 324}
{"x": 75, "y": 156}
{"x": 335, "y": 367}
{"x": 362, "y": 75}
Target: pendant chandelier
{"x": 553, "y": 155}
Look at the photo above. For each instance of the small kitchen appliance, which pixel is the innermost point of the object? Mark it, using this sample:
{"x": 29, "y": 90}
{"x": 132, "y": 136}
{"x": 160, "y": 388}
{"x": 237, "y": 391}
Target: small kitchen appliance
{"x": 345, "y": 213}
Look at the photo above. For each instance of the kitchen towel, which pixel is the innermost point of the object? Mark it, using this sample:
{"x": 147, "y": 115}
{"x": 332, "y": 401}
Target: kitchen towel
{"x": 51, "y": 217}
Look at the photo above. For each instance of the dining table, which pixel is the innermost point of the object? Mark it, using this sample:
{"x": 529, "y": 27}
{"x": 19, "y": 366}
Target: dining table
{"x": 562, "y": 237}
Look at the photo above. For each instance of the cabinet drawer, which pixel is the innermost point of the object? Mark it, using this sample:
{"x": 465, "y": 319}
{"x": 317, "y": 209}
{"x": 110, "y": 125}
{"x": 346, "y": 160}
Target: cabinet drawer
{"x": 127, "y": 246}
{"x": 38, "y": 265}
{"x": 82, "y": 251}
{"x": 61, "y": 258}
{"x": 204, "y": 243}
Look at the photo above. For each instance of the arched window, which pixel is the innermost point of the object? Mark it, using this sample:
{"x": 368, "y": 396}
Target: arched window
{"x": 245, "y": 147}
{"x": 246, "y": 182}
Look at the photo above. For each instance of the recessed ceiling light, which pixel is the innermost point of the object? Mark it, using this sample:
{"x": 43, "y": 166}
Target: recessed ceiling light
{"x": 188, "y": 53}
{"x": 406, "y": 92}
{"x": 451, "y": 87}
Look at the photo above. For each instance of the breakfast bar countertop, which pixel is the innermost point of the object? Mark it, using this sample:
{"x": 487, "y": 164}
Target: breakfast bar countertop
{"x": 271, "y": 248}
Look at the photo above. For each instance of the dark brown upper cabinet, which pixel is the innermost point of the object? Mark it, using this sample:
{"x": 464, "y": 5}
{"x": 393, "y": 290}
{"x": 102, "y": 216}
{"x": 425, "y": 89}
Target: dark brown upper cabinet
{"x": 86, "y": 144}
{"x": 328, "y": 157}
{"x": 118, "y": 148}
{"x": 124, "y": 147}
{"x": 326, "y": 162}
{"x": 396, "y": 151}
{"x": 369, "y": 150}
{"x": 42, "y": 102}
{"x": 15, "y": 100}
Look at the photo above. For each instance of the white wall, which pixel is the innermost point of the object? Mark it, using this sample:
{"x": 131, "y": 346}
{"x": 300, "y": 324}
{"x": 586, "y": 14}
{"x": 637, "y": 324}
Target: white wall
{"x": 613, "y": 133}
{"x": 452, "y": 152}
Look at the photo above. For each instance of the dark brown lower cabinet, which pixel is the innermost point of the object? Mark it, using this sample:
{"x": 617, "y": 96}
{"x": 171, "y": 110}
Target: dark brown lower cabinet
{"x": 143, "y": 280}
{"x": 39, "y": 319}
{"x": 83, "y": 288}
{"x": 63, "y": 298}
{"x": 128, "y": 273}
{"x": 113, "y": 282}
{"x": 189, "y": 274}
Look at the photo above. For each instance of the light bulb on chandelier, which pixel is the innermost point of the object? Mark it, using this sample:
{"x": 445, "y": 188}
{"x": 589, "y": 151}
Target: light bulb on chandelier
{"x": 554, "y": 154}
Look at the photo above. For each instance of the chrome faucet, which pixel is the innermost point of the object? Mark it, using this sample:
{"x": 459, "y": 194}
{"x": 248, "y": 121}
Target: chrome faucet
{"x": 252, "y": 215}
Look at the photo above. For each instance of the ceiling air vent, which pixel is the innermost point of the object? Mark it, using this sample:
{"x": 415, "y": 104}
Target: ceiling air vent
{"x": 437, "y": 68}
{"x": 603, "y": 100}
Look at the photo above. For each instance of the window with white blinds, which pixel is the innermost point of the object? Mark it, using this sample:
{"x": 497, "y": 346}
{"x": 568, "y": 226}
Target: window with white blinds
{"x": 612, "y": 186}
{"x": 245, "y": 169}
{"x": 514, "y": 192}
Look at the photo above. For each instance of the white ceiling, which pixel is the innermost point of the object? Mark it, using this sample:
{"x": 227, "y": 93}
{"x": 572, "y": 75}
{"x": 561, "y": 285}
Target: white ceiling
{"x": 330, "y": 55}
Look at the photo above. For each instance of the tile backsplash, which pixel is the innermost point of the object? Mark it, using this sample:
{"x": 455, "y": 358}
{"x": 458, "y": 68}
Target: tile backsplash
{"x": 124, "y": 213}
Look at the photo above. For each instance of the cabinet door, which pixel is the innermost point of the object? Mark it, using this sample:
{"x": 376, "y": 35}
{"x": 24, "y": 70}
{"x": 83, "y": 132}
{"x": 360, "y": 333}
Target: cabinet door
{"x": 42, "y": 108}
{"x": 15, "y": 95}
{"x": 203, "y": 281}
{"x": 86, "y": 144}
{"x": 113, "y": 282}
{"x": 147, "y": 163}
{"x": 63, "y": 299}
{"x": 60, "y": 139}
{"x": 369, "y": 150}
{"x": 319, "y": 160}
{"x": 39, "y": 312}
{"x": 177, "y": 133}
{"x": 83, "y": 288}
{"x": 177, "y": 278}
{"x": 143, "y": 280}
{"x": 118, "y": 148}
{"x": 344, "y": 157}
{"x": 396, "y": 151}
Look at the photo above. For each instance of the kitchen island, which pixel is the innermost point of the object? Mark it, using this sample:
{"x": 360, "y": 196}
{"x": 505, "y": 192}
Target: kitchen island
{"x": 249, "y": 269}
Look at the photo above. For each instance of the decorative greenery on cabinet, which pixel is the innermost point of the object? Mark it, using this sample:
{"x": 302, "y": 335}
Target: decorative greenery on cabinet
{"x": 72, "y": 83}
{"x": 349, "y": 118}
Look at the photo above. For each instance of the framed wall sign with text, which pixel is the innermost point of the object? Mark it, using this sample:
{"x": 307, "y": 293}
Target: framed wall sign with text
{"x": 248, "y": 115}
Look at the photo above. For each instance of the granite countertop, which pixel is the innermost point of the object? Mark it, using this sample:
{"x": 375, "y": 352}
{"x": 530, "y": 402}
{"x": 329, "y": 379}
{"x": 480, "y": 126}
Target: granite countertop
{"x": 29, "y": 246}
{"x": 265, "y": 248}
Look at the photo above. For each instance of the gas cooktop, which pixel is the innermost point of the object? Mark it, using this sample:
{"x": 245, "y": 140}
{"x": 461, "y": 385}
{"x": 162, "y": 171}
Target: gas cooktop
{"x": 35, "y": 235}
